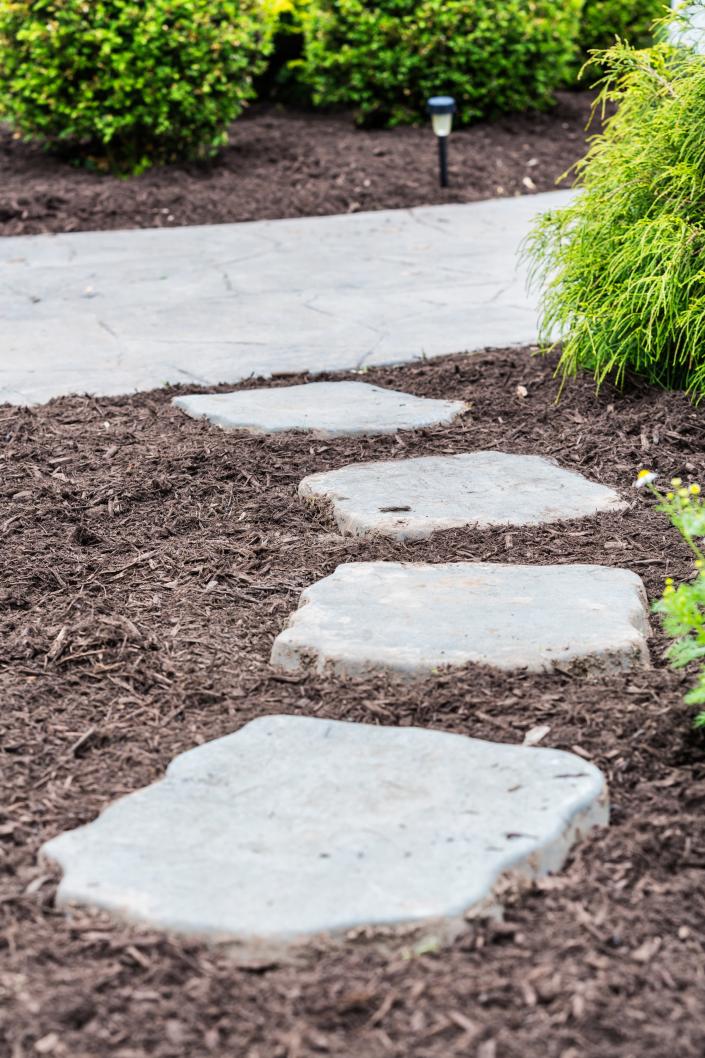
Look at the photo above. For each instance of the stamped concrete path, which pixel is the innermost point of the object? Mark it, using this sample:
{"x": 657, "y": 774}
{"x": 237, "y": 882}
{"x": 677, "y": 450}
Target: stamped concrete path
{"x": 115, "y": 312}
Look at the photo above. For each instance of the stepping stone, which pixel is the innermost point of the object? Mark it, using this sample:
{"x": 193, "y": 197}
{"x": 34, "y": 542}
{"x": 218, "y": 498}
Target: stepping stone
{"x": 414, "y": 618}
{"x": 295, "y": 826}
{"x": 409, "y": 499}
{"x": 328, "y": 409}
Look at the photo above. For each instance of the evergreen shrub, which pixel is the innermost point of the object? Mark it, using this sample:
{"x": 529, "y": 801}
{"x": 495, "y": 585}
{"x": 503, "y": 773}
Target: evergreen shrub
{"x": 386, "y": 59}
{"x": 623, "y": 267}
{"x": 124, "y": 84}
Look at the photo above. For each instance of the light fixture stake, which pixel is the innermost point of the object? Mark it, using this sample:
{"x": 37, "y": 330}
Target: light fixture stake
{"x": 441, "y": 109}
{"x": 443, "y": 160}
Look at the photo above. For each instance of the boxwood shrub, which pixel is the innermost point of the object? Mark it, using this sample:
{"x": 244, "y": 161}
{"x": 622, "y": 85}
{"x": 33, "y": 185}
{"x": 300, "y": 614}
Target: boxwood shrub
{"x": 604, "y": 21}
{"x": 622, "y": 267}
{"x": 128, "y": 83}
{"x": 630, "y": 20}
{"x": 386, "y": 58}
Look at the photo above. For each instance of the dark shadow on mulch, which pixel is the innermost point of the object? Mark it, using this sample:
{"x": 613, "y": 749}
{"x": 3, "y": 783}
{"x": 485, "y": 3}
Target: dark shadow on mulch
{"x": 287, "y": 163}
{"x": 147, "y": 563}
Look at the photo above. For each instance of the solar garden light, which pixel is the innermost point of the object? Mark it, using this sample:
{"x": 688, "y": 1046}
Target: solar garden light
{"x": 441, "y": 109}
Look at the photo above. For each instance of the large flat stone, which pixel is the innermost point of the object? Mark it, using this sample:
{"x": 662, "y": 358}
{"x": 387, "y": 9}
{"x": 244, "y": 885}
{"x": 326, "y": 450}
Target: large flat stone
{"x": 414, "y": 618}
{"x": 117, "y": 311}
{"x": 409, "y": 499}
{"x": 328, "y": 409}
{"x": 295, "y": 826}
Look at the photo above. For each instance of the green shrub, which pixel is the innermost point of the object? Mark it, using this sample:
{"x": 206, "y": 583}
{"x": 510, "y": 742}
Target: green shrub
{"x": 280, "y": 81}
{"x": 603, "y": 22}
{"x": 386, "y": 59}
{"x": 630, "y": 20}
{"x": 622, "y": 266}
{"x": 129, "y": 83}
{"x": 289, "y": 15}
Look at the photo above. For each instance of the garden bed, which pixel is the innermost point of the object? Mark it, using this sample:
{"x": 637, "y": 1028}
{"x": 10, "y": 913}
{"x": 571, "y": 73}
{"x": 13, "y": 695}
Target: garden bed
{"x": 149, "y": 560}
{"x": 283, "y": 163}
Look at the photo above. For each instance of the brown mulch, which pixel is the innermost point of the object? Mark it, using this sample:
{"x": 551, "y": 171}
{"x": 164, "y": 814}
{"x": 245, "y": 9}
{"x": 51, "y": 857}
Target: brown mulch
{"x": 283, "y": 163}
{"x": 148, "y": 562}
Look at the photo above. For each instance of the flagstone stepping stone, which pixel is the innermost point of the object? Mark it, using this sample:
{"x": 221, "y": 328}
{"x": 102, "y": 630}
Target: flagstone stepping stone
{"x": 328, "y": 409}
{"x": 295, "y": 826}
{"x": 414, "y": 618}
{"x": 409, "y": 499}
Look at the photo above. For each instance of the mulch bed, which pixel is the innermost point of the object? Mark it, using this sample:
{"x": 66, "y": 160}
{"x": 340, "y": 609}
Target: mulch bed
{"x": 283, "y": 163}
{"x": 149, "y": 561}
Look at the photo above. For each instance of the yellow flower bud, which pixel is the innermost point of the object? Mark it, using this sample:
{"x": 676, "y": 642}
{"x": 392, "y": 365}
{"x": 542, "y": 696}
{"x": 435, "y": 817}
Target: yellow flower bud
{"x": 676, "y": 482}
{"x": 669, "y": 590}
{"x": 669, "y": 580}
{"x": 694, "y": 489}
{"x": 670, "y": 495}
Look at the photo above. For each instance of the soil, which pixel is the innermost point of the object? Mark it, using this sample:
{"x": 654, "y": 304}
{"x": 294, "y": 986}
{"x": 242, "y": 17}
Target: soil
{"x": 148, "y": 562}
{"x": 283, "y": 163}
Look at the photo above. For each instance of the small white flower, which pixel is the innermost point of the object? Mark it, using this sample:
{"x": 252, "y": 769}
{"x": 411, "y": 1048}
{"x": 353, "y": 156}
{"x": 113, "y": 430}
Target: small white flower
{"x": 644, "y": 477}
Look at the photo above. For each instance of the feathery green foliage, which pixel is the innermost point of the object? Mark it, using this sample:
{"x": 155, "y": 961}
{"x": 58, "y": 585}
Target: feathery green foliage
{"x": 623, "y": 266}
{"x": 128, "y": 83}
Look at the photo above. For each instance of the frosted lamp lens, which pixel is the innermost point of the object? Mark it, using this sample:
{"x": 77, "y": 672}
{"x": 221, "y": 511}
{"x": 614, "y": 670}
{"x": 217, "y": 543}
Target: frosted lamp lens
{"x": 442, "y": 124}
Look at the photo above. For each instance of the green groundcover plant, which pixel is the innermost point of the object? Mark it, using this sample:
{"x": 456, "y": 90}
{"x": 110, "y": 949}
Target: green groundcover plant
{"x": 128, "y": 83}
{"x": 682, "y": 608}
{"x": 386, "y": 59}
{"x": 622, "y": 267}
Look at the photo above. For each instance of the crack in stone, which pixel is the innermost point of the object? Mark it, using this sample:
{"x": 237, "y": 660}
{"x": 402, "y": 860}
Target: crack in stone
{"x": 108, "y": 328}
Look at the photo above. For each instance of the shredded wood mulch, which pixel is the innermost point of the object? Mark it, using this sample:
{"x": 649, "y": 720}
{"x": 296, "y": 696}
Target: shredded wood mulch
{"x": 148, "y": 562}
{"x": 289, "y": 163}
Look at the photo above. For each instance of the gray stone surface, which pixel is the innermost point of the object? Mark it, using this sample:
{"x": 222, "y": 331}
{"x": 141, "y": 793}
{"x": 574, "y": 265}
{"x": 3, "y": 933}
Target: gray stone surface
{"x": 692, "y": 32}
{"x": 409, "y": 499}
{"x": 328, "y": 409}
{"x": 295, "y": 826}
{"x": 113, "y": 312}
{"x": 414, "y": 618}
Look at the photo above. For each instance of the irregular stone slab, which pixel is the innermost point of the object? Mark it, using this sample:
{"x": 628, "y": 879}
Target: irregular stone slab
{"x": 414, "y": 618}
{"x": 409, "y": 499}
{"x": 116, "y": 311}
{"x": 328, "y": 409}
{"x": 295, "y": 826}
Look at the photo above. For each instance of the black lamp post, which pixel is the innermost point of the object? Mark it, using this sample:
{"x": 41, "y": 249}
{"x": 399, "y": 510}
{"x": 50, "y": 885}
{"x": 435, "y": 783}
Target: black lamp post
{"x": 441, "y": 109}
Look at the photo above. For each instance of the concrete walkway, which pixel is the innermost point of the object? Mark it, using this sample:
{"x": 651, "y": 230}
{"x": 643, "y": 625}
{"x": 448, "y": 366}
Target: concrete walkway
{"x": 114, "y": 312}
